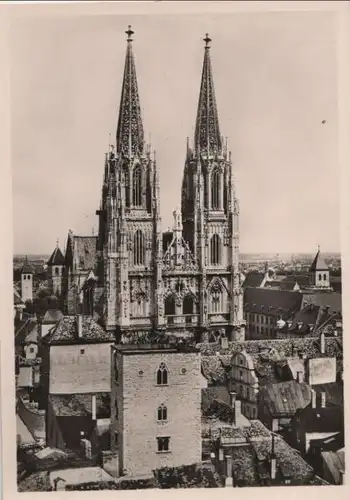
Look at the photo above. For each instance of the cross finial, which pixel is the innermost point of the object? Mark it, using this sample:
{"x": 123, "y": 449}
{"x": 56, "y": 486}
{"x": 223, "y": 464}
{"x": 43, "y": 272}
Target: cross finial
{"x": 207, "y": 41}
{"x": 129, "y": 32}
{"x": 318, "y": 248}
{"x": 57, "y": 242}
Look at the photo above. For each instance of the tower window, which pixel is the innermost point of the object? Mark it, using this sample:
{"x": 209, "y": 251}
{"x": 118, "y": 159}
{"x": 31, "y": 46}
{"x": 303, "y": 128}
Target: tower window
{"x": 139, "y": 248}
{"x": 57, "y": 271}
{"x": 162, "y": 375}
{"x": 137, "y": 187}
{"x": 163, "y": 443}
{"x": 24, "y": 276}
{"x": 162, "y": 412}
{"x": 216, "y": 301}
{"x": 215, "y": 250}
{"x": 215, "y": 190}
{"x": 320, "y": 277}
{"x": 325, "y": 277}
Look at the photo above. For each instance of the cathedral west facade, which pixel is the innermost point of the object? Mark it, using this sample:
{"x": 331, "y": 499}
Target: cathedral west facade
{"x": 135, "y": 277}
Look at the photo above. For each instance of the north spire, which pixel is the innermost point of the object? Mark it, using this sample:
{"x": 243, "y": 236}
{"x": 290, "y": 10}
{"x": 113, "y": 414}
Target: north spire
{"x": 130, "y": 135}
{"x": 207, "y": 137}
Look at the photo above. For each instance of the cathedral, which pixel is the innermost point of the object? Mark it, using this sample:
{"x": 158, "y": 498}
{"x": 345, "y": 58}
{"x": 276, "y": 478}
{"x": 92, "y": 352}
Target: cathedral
{"x": 134, "y": 278}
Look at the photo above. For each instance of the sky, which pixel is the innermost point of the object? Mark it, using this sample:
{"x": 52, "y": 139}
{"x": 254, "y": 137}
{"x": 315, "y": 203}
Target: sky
{"x": 275, "y": 77}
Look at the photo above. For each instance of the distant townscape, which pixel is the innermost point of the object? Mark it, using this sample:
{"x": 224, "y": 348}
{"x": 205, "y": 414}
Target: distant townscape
{"x": 151, "y": 359}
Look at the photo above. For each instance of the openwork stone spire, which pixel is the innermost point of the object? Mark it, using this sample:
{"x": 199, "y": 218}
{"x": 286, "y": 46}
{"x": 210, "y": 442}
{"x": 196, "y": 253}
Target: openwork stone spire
{"x": 207, "y": 133}
{"x": 130, "y": 136}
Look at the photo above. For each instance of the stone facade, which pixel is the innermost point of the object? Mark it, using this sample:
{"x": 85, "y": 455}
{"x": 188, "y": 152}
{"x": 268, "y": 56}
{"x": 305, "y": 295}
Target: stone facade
{"x": 80, "y": 368}
{"x": 245, "y": 383}
{"x": 135, "y": 402}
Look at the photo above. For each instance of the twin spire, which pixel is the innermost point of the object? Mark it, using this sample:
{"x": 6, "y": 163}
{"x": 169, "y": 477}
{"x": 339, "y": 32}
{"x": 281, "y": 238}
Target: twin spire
{"x": 130, "y": 133}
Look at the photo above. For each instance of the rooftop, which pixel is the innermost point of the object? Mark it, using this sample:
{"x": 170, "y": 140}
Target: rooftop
{"x": 318, "y": 263}
{"x": 150, "y": 348}
{"x": 57, "y": 258}
{"x": 66, "y": 332}
{"x": 272, "y": 302}
{"x": 285, "y": 398}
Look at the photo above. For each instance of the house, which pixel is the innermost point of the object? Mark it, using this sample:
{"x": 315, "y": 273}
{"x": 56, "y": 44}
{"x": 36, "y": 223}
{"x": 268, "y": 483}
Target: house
{"x": 254, "y": 456}
{"x": 76, "y": 379}
{"x": 317, "y": 421}
{"x": 278, "y": 403}
{"x": 155, "y": 406}
{"x": 264, "y": 307}
{"x": 49, "y": 320}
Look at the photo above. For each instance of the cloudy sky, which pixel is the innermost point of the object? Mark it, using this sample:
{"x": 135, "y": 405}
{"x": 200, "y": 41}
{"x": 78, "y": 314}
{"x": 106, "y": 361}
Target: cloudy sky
{"x": 275, "y": 77}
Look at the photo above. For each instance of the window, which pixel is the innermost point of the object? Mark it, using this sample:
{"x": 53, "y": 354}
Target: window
{"x": 169, "y": 306}
{"x": 320, "y": 277}
{"x": 325, "y": 277}
{"x": 162, "y": 412}
{"x": 215, "y": 250}
{"x": 57, "y": 271}
{"x": 137, "y": 187}
{"x": 31, "y": 349}
{"x": 24, "y": 276}
{"x": 139, "y": 251}
{"x": 162, "y": 375}
{"x": 216, "y": 301}
{"x": 82, "y": 351}
{"x": 240, "y": 374}
{"x": 187, "y": 307}
{"x": 163, "y": 443}
{"x": 215, "y": 190}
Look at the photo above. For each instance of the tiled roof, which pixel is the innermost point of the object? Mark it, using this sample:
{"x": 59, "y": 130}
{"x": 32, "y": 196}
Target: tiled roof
{"x": 65, "y": 332}
{"x": 335, "y": 461}
{"x": 318, "y": 264}
{"x": 283, "y": 348}
{"x": 24, "y": 330}
{"x": 308, "y": 315}
{"x": 56, "y": 258}
{"x": 27, "y": 269}
{"x": 272, "y": 302}
{"x": 52, "y": 316}
{"x": 285, "y": 398}
{"x": 70, "y": 405}
{"x": 17, "y": 299}
{"x": 213, "y": 369}
{"x": 332, "y": 300}
{"x": 253, "y": 279}
{"x": 84, "y": 252}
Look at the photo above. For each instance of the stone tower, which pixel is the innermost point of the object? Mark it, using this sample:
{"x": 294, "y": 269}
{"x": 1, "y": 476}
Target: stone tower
{"x": 129, "y": 220}
{"x": 55, "y": 266}
{"x": 210, "y": 214}
{"x": 27, "y": 275}
{"x": 319, "y": 272}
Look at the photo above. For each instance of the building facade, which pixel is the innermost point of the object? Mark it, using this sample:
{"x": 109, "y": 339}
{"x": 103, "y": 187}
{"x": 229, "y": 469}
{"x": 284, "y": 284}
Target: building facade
{"x": 184, "y": 280}
{"x": 151, "y": 386}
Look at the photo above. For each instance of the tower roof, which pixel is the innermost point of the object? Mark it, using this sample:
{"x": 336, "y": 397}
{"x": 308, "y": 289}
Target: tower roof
{"x": 207, "y": 132}
{"x": 130, "y": 135}
{"x": 56, "y": 258}
{"x": 27, "y": 268}
{"x": 319, "y": 263}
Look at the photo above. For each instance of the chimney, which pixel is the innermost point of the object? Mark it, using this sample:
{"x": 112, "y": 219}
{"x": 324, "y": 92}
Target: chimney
{"x": 323, "y": 400}
{"x": 93, "y": 407}
{"x": 224, "y": 342}
{"x": 228, "y": 480}
{"x": 273, "y": 459}
{"x": 233, "y": 399}
{"x": 323, "y": 343}
{"x": 313, "y": 398}
{"x": 300, "y": 377}
{"x": 295, "y": 352}
{"x": 80, "y": 325}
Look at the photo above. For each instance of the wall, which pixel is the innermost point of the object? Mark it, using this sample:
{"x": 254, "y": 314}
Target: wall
{"x": 309, "y": 436}
{"x": 245, "y": 383}
{"x": 34, "y": 419}
{"x": 72, "y": 372}
{"x": 31, "y": 351}
{"x": 260, "y": 326}
{"x": 138, "y": 399}
{"x": 321, "y": 371}
{"x": 25, "y": 376}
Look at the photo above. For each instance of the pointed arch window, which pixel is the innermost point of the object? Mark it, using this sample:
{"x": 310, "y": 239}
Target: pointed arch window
{"x": 139, "y": 248}
{"x": 216, "y": 299}
{"x": 325, "y": 277}
{"x": 215, "y": 250}
{"x": 162, "y": 375}
{"x": 162, "y": 413}
{"x": 215, "y": 190}
{"x": 320, "y": 277}
{"x": 137, "y": 187}
{"x": 169, "y": 306}
{"x": 187, "y": 306}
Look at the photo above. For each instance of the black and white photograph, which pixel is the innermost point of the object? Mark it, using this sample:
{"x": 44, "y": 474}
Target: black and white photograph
{"x": 177, "y": 268}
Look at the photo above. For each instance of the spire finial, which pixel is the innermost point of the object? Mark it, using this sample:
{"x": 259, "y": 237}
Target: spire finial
{"x": 318, "y": 248}
{"x": 207, "y": 41}
{"x": 129, "y": 32}
{"x": 57, "y": 243}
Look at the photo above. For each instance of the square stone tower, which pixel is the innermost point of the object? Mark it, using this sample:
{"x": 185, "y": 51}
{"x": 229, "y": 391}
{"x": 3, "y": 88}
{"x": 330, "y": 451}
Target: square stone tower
{"x": 155, "y": 407}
